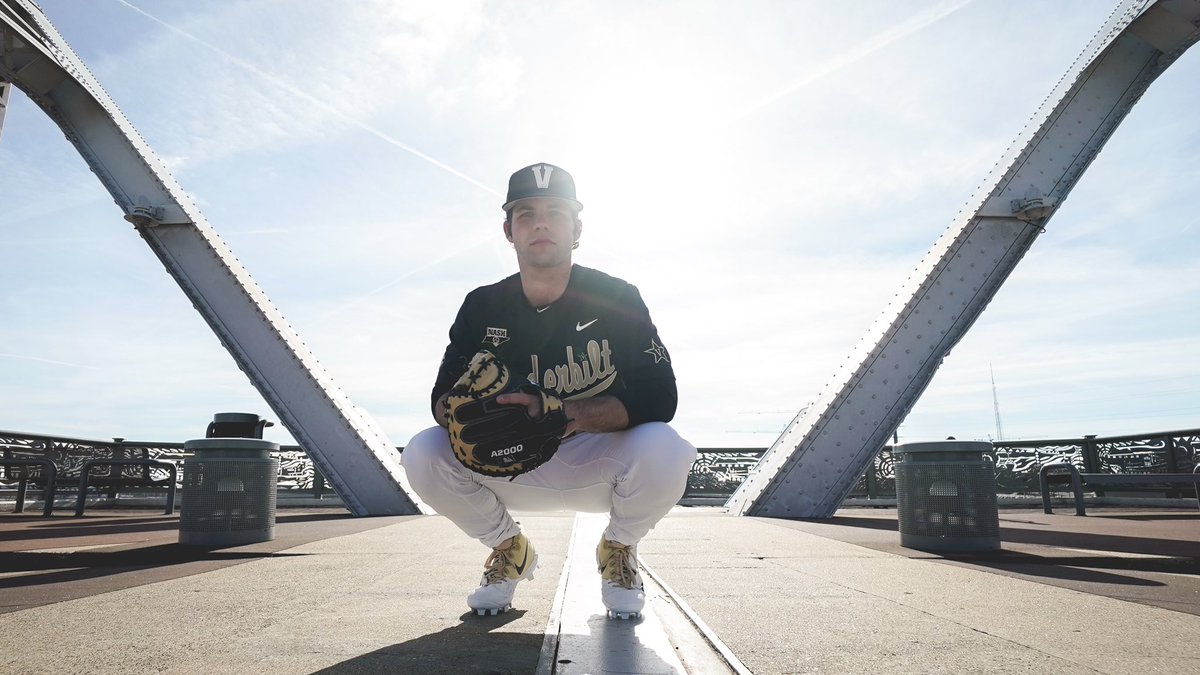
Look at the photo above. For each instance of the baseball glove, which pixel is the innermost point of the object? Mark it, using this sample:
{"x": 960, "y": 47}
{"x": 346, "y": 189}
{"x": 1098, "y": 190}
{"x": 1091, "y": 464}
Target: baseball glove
{"x": 500, "y": 440}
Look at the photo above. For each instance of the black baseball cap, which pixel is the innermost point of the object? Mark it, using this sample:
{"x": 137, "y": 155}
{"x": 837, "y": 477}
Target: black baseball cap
{"x": 541, "y": 180}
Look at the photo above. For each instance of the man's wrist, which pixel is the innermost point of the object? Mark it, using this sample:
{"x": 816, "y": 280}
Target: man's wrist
{"x": 598, "y": 414}
{"x": 441, "y": 410}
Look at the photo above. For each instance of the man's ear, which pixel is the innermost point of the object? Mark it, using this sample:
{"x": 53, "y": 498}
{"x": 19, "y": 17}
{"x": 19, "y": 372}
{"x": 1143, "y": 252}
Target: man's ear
{"x": 507, "y": 230}
{"x": 578, "y": 229}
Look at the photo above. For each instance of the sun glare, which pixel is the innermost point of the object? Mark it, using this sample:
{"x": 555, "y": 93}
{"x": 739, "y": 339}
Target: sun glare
{"x": 646, "y": 148}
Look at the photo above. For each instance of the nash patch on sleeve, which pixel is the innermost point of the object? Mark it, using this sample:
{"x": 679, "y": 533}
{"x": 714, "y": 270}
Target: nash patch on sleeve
{"x": 496, "y": 336}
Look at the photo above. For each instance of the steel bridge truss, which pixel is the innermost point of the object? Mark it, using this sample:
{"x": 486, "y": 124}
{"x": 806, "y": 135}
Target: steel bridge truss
{"x": 343, "y": 441}
{"x": 815, "y": 463}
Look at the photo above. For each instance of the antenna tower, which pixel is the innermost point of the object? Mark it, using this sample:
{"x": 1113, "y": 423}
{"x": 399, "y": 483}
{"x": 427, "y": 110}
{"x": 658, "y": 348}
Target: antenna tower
{"x": 996, "y": 405}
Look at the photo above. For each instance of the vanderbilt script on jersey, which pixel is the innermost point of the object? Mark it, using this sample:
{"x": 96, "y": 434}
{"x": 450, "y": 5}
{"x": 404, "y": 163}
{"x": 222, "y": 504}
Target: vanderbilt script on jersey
{"x": 583, "y": 375}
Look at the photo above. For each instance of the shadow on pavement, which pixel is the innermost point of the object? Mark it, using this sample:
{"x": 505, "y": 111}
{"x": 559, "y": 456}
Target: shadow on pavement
{"x": 468, "y": 647}
{"x": 1147, "y": 517}
{"x": 84, "y": 527}
{"x": 63, "y": 558}
{"x": 79, "y": 565}
{"x": 26, "y": 527}
{"x": 1074, "y": 553}
{"x": 61, "y": 522}
{"x": 1082, "y": 568}
{"x": 1048, "y": 536}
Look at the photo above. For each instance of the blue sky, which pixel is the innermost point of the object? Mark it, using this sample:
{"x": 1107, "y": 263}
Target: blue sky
{"x": 767, "y": 173}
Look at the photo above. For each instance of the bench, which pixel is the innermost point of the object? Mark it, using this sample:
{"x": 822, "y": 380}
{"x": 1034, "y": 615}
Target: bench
{"x": 86, "y": 470}
{"x": 1064, "y": 472}
{"x": 50, "y": 472}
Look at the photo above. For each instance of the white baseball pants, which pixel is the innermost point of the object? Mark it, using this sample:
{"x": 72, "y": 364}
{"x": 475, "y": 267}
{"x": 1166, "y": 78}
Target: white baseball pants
{"x": 635, "y": 475}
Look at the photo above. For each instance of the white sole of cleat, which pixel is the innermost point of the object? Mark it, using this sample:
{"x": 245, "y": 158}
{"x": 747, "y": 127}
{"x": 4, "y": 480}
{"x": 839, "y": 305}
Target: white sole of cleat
{"x": 493, "y": 611}
{"x": 623, "y": 616}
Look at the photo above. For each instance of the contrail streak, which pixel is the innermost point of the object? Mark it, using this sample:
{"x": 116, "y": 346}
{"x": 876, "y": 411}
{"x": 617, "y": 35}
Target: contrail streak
{"x": 36, "y": 359}
{"x": 854, "y": 55}
{"x": 299, "y": 93}
{"x": 459, "y": 250}
{"x": 354, "y": 122}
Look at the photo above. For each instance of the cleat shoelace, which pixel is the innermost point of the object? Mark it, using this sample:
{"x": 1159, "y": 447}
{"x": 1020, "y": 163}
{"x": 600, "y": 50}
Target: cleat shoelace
{"x": 494, "y": 567}
{"x": 620, "y": 567}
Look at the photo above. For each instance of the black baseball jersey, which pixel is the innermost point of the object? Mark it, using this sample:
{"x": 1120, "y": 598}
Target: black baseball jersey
{"x": 596, "y": 339}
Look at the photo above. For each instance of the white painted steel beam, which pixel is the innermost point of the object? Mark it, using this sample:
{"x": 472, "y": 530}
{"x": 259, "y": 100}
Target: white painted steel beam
{"x": 5, "y": 90}
{"x": 351, "y": 451}
{"x": 815, "y": 463}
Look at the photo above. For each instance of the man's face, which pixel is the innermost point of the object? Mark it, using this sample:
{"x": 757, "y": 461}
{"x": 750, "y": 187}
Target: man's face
{"x": 543, "y": 230}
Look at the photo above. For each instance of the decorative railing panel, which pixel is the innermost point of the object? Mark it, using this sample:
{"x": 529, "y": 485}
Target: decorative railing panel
{"x": 296, "y": 470}
{"x": 1187, "y": 451}
{"x": 68, "y": 454}
{"x": 879, "y": 480}
{"x": 716, "y": 474}
{"x": 1018, "y": 463}
{"x": 719, "y": 471}
{"x": 1143, "y": 455}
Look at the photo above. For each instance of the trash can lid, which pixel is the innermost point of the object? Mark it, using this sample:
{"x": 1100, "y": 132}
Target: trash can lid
{"x": 943, "y": 446}
{"x": 247, "y": 418}
{"x": 230, "y": 444}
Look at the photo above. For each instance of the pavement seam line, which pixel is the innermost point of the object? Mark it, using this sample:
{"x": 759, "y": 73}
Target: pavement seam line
{"x": 549, "y": 652}
{"x": 709, "y": 635}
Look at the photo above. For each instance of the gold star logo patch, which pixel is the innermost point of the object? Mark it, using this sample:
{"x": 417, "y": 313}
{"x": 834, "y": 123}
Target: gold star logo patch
{"x": 658, "y": 351}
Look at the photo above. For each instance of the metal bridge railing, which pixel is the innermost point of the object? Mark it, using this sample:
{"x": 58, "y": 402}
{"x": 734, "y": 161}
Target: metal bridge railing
{"x": 716, "y": 474}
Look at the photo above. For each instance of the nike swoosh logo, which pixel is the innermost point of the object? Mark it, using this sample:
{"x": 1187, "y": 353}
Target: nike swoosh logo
{"x": 521, "y": 568}
{"x": 581, "y": 326}
{"x": 542, "y": 309}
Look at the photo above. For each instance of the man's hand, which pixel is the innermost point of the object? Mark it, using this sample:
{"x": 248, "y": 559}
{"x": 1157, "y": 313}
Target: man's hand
{"x": 597, "y": 414}
{"x": 533, "y": 404}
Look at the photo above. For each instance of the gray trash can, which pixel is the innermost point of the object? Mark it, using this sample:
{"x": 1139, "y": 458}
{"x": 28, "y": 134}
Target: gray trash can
{"x": 946, "y": 496}
{"x": 228, "y": 492}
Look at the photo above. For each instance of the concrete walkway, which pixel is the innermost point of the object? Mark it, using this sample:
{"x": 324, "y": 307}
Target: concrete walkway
{"x": 1115, "y": 592}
